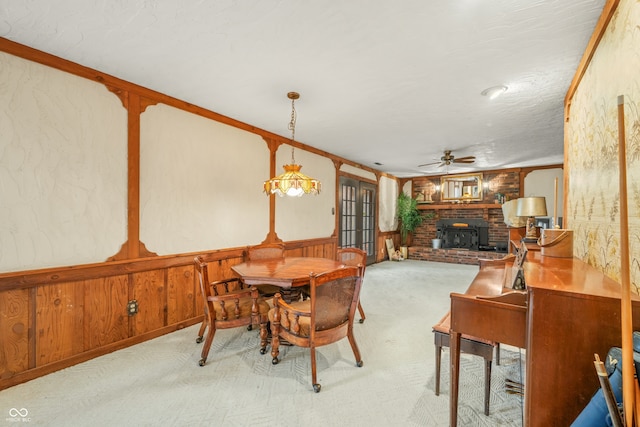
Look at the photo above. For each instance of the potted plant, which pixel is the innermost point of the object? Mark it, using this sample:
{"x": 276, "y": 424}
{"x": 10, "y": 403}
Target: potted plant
{"x": 409, "y": 217}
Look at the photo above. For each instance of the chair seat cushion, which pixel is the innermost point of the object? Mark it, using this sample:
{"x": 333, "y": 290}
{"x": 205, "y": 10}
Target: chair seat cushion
{"x": 245, "y": 308}
{"x": 444, "y": 327}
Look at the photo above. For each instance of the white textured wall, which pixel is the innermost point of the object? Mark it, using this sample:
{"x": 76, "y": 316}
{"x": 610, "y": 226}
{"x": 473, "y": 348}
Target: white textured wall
{"x": 541, "y": 183}
{"x": 200, "y": 183}
{"x": 63, "y": 168}
{"x": 309, "y": 216}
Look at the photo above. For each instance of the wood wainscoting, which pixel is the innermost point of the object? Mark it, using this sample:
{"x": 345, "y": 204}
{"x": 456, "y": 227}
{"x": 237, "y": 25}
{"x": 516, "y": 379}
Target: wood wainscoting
{"x": 54, "y": 318}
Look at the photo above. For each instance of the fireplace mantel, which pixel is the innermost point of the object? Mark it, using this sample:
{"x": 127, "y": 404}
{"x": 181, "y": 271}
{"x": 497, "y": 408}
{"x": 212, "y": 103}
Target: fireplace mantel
{"x": 438, "y": 206}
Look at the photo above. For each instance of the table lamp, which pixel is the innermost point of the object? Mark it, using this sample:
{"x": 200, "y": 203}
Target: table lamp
{"x": 531, "y": 207}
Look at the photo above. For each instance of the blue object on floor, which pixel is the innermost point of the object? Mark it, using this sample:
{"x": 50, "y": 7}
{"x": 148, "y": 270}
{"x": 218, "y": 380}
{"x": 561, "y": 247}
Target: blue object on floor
{"x": 596, "y": 413}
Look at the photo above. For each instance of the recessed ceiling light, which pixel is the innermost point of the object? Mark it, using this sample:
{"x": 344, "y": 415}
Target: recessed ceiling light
{"x": 494, "y": 91}
{"x": 377, "y": 163}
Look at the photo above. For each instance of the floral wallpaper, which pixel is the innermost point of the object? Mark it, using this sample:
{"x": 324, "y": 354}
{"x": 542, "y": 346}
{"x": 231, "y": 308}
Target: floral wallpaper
{"x": 591, "y": 148}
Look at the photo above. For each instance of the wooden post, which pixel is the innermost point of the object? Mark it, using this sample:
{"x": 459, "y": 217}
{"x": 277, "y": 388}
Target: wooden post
{"x": 555, "y": 203}
{"x": 628, "y": 368}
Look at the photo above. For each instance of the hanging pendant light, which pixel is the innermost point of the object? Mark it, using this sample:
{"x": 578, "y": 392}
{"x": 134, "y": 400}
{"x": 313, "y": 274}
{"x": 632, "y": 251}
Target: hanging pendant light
{"x": 292, "y": 182}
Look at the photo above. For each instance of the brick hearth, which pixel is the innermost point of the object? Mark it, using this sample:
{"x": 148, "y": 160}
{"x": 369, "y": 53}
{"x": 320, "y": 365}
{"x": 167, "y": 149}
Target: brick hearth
{"x": 454, "y": 256}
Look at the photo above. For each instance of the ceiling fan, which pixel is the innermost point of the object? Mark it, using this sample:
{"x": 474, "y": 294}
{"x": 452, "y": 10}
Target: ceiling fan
{"x": 448, "y": 159}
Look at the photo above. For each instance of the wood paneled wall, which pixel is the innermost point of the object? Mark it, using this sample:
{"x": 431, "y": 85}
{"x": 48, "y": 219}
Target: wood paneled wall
{"x": 54, "y": 318}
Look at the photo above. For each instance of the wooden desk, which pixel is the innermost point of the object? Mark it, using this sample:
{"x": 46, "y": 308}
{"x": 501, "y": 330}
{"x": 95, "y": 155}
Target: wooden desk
{"x": 570, "y": 311}
{"x": 286, "y": 273}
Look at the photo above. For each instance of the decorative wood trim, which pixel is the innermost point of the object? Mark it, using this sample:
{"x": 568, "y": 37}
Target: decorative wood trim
{"x": 133, "y": 158}
{"x": 356, "y": 177}
{"x": 146, "y": 102}
{"x": 272, "y": 144}
{"x": 124, "y": 251}
{"x": 48, "y": 276}
{"x": 22, "y": 279}
{"x": 121, "y": 94}
{"x": 606, "y": 15}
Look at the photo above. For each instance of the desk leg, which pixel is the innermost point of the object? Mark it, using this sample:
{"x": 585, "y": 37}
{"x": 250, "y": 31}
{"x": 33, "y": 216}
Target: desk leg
{"x": 454, "y": 347}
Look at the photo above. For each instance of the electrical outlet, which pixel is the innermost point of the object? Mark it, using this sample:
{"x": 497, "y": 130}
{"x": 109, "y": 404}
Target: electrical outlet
{"x": 132, "y": 307}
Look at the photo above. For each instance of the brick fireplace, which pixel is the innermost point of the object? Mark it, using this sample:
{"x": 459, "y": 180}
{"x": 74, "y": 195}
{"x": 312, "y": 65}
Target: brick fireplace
{"x": 492, "y": 232}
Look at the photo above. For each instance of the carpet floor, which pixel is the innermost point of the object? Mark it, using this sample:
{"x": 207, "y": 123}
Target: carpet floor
{"x": 159, "y": 382}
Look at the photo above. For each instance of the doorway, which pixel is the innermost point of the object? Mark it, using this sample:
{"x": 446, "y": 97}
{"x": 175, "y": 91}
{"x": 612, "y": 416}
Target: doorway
{"x": 357, "y": 228}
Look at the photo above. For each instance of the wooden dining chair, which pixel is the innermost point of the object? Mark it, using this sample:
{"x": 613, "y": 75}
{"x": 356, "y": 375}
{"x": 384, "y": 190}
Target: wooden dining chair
{"x": 228, "y": 304}
{"x": 267, "y": 251}
{"x": 326, "y": 317}
{"x": 354, "y": 257}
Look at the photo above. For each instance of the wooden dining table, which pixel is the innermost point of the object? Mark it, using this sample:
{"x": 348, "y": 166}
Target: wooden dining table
{"x": 287, "y": 273}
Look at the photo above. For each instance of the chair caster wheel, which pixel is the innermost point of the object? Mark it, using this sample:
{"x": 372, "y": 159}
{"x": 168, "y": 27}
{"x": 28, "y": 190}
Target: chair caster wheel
{"x": 250, "y": 327}
{"x": 274, "y": 361}
{"x": 316, "y": 388}
{"x": 359, "y": 363}
{"x": 202, "y": 362}
{"x": 263, "y": 350}
{"x": 361, "y": 321}
{"x": 199, "y": 340}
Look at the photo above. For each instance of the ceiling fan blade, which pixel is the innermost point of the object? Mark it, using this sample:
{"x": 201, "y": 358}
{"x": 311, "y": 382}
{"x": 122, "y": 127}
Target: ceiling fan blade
{"x": 428, "y": 164}
{"x": 465, "y": 158}
{"x": 463, "y": 161}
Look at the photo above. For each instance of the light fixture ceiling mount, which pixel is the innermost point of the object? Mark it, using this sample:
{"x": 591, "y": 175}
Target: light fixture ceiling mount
{"x": 494, "y": 91}
{"x": 292, "y": 182}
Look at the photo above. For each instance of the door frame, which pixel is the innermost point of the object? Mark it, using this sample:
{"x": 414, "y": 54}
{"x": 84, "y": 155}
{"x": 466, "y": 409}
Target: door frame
{"x": 361, "y": 203}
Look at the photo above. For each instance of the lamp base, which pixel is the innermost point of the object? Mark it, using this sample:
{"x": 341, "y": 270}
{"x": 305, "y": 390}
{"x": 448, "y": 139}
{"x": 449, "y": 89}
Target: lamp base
{"x": 531, "y": 235}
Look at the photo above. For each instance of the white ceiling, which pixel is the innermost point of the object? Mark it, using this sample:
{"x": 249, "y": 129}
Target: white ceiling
{"x": 394, "y": 82}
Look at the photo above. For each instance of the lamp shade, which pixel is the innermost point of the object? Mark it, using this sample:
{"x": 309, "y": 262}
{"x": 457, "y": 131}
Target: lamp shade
{"x": 292, "y": 183}
{"x": 531, "y": 206}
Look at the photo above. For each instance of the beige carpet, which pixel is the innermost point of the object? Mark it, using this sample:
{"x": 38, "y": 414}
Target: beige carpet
{"x": 159, "y": 382}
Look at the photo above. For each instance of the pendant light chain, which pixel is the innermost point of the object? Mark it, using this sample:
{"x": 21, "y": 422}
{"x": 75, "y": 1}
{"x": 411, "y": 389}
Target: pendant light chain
{"x": 292, "y": 124}
{"x": 292, "y": 182}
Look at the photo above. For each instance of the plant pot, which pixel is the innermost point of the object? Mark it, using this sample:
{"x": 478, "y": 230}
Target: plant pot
{"x": 436, "y": 243}
{"x": 404, "y": 251}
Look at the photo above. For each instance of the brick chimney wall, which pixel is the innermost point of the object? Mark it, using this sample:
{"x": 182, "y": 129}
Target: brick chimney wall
{"x": 506, "y": 183}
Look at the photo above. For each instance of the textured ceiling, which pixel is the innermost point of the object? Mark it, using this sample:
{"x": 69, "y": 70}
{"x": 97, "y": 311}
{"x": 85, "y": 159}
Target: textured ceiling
{"x": 393, "y": 82}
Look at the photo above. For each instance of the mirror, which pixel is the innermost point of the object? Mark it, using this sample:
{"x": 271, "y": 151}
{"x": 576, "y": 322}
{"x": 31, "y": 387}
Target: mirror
{"x": 467, "y": 187}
